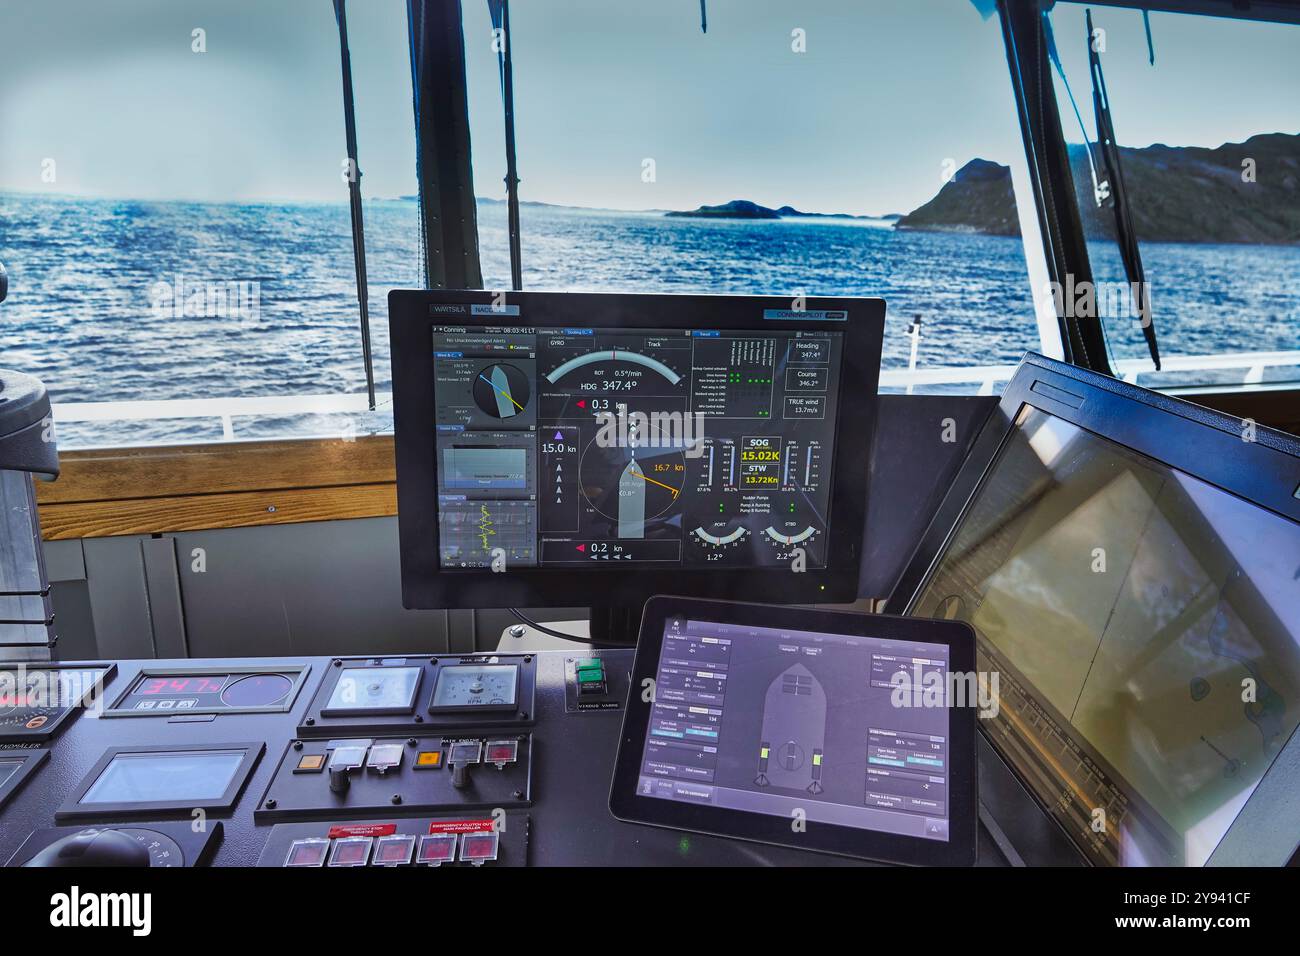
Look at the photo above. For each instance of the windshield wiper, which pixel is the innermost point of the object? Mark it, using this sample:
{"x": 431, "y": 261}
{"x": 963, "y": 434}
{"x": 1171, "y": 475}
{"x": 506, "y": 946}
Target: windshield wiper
{"x": 499, "y": 11}
{"x": 1124, "y": 232}
{"x": 354, "y": 199}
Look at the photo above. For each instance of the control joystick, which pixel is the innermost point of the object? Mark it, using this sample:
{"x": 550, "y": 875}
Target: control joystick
{"x": 93, "y": 848}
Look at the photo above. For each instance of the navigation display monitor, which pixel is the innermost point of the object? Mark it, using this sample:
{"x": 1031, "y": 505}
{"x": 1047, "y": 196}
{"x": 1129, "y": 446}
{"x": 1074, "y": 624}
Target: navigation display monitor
{"x": 686, "y": 448}
{"x": 775, "y": 720}
{"x": 550, "y": 442}
{"x": 1144, "y": 625}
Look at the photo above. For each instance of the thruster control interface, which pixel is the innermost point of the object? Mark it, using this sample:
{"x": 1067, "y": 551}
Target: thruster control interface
{"x": 578, "y": 447}
{"x": 771, "y": 720}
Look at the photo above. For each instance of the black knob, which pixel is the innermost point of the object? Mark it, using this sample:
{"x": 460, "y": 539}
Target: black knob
{"x": 339, "y": 779}
{"x": 93, "y": 848}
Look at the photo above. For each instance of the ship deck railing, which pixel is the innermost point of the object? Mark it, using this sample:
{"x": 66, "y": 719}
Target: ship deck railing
{"x": 1180, "y": 375}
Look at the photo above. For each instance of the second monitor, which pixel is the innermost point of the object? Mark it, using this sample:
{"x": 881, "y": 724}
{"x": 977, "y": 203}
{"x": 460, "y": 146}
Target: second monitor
{"x": 576, "y": 448}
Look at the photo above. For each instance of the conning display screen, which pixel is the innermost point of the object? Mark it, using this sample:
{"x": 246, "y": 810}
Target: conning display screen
{"x": 595, "y": 448}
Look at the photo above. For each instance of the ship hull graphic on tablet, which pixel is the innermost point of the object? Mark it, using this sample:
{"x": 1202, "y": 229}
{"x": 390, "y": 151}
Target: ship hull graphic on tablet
{"x": 794, "y": 732}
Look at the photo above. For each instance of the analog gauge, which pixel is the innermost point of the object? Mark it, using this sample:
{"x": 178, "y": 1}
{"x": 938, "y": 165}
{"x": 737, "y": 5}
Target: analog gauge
{"x": 475, "y": 687}
{"x": 374, "y": 690}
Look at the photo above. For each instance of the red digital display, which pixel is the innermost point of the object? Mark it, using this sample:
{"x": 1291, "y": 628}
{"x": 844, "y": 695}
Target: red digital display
{"x": 170, "y": 686}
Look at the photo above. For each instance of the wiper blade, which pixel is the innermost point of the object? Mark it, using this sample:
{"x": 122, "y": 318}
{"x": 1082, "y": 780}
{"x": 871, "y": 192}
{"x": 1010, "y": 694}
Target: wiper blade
{"x": 1124, "y": 232}
{"x": 499, "y": 11}
{"x": 354, "y": 199}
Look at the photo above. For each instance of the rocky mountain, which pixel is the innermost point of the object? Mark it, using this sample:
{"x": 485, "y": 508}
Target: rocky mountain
{"x": 1238, "y": 192}
{"x": 978, "y": 198}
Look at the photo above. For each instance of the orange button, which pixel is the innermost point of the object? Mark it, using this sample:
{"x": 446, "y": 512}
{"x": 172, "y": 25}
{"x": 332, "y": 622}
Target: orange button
{"x": 429, "y": 758}
{"x": 309, "y": 763}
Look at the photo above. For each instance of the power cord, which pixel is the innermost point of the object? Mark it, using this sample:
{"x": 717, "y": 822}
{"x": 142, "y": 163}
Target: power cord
{"x": 554, "y": 633}
{"x": 548, "y": 631}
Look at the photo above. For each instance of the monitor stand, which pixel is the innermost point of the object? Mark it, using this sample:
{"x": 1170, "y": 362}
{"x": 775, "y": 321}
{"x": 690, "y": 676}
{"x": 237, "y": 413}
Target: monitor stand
{"x": 614, "y": 626}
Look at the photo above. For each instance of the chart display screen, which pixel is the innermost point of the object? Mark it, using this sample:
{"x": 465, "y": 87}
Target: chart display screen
{"x": 778, "y": 721}
{"x": 152, "y": 777}
{"x": 586, "y": 447}
{"x": 1144, "y": 627}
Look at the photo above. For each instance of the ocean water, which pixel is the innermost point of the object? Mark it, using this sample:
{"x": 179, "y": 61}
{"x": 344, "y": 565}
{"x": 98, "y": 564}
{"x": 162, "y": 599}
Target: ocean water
{"x": 90, "y": 281}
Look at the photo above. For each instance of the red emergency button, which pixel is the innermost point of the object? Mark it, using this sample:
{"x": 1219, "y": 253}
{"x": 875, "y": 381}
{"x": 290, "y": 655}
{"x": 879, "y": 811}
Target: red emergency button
{"x": 479, "y": 848}
{"x": 501, "y": 752}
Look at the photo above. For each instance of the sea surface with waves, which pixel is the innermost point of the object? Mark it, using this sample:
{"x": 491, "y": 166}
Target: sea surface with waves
{"x": 89, "y": 310}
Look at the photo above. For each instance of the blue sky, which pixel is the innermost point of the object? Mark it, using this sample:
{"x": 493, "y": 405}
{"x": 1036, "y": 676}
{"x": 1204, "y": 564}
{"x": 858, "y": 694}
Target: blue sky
{"x": 863, "y": 121}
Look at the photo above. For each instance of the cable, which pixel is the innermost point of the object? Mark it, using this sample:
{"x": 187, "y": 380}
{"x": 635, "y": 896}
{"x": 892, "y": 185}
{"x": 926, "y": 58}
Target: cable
{"x": 560, "y": 634}
{"x": 546, "y": 630}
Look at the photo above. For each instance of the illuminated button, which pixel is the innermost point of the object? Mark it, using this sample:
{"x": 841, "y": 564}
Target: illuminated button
{"x": 590, "y": 674}
{"x": 437, "y": 849}
{"x": 466, "y": 752}
{"x": 310, "y": 763}
{"x": 394, "y": 850}
{"x": 351, "y": 851}
{"x": 309, "y": 852}
{"x": 347, "y": 758}
{"x": 591, "y": 670}
{"x": 384, "y": 757}
{"x": 428, "y": 759}
{"x": 479, "y": 848}
{"x": 501, "y": 752}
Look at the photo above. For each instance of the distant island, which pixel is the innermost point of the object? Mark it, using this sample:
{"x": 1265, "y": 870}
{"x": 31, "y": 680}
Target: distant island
{"x": 1178, "y": 194}
{"x": 746, "y": 209}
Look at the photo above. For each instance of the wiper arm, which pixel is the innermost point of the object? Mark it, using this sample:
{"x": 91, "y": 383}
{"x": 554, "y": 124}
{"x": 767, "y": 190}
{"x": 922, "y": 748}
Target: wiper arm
{"x": 1124, "y": 232}
{"x": 354, "y": 199}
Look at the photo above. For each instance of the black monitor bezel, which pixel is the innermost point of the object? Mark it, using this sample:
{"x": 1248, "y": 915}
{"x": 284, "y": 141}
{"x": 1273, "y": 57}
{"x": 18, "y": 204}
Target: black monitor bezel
{"x": 1190, "y": 438}
{"x": 425, "y": 585}
{"x": 73, "y": 809}
{"x": 625, "y": 803}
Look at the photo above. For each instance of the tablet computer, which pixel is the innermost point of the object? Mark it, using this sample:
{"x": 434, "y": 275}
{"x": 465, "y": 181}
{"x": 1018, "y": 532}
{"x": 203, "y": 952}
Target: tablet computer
{"x": 820, "y": 730}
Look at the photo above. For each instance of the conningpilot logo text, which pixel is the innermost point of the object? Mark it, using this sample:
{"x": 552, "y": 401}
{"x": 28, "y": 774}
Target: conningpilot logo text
{"x": 76, "y": 909}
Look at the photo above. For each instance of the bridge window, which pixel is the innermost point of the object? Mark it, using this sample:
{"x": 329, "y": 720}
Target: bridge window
{"x": 873, "y": 148}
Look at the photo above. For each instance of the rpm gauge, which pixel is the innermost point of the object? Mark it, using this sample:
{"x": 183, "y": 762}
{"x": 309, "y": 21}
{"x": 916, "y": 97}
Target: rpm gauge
{"x": 475, "y": 687}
